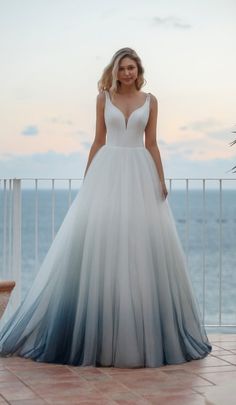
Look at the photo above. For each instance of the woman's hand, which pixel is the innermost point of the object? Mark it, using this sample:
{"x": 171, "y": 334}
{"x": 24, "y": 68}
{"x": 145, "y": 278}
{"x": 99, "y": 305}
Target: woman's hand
{"x": 164, "y": 190}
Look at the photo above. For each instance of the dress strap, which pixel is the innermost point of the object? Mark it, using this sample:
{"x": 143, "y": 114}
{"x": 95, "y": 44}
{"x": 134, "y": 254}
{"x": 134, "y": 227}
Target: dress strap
{"x": 106, "y": 96}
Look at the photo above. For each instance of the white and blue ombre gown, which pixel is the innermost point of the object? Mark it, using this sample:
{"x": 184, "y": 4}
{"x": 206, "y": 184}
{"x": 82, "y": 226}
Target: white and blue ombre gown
{"x": 113, "y": 289}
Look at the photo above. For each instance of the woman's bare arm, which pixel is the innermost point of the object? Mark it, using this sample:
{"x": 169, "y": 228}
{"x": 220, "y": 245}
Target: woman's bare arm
{"x": 151, "y": 143}
{"x": 100, "y": 132}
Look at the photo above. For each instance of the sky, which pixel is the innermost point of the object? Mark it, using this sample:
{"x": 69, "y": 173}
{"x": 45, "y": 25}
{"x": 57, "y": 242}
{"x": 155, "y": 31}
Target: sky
{"x": 53, "y": 53}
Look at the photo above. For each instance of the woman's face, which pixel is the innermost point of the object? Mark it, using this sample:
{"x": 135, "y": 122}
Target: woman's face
{"x": 127, "y": 71}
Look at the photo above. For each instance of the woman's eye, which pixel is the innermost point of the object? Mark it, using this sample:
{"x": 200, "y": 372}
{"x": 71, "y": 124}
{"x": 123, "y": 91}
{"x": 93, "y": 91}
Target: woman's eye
{"x": 130, "y": 68}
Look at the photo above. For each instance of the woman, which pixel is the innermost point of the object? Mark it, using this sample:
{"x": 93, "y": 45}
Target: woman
{"x": 113, "y": 289}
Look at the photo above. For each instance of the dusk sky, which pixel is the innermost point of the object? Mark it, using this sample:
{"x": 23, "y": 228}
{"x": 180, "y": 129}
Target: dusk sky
{"x": 53, "y": 53}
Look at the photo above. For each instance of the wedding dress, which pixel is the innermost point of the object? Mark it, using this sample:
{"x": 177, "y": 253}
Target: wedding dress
{"x": 113, "y": 289}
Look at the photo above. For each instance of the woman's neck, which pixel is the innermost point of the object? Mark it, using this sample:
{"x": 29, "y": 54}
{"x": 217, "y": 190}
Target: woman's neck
{"x": 127, "y": 89}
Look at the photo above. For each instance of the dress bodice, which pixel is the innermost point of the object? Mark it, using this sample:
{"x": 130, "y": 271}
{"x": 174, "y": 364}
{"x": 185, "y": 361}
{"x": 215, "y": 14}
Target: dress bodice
{"x": 122, "y": 132}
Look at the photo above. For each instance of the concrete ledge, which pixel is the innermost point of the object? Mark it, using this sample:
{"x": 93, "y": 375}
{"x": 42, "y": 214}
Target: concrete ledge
{"x": 6, "y": 287}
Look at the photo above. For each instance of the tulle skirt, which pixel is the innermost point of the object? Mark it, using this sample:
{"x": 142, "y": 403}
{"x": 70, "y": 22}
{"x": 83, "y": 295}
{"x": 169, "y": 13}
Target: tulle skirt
{"x": 113, "y": 289}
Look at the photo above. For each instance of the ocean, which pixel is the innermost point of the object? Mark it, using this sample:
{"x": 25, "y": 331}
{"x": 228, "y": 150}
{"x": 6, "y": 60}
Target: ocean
{"x": 204, "y": 242}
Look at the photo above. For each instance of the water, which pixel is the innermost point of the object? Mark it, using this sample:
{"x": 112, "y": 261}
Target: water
{"x": 189, "y": 223}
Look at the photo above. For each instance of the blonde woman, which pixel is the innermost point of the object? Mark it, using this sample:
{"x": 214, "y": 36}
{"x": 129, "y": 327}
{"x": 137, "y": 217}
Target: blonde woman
{"x": 113, "y": 289}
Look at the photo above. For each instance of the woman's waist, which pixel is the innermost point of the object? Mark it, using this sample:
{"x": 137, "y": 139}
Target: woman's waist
{"x": 125, "y": 142}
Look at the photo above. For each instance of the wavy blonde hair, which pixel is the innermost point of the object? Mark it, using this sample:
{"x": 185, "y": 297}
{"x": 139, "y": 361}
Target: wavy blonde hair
{"x": 109, "y": 81}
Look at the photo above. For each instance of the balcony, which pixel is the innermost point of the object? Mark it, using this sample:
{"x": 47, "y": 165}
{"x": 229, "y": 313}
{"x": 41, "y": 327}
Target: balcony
{"x": 205, "y": 212}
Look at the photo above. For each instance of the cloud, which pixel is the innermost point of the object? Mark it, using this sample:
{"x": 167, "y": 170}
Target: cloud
{"x": 201, "y": 125}
{"x": 176, "y": 157}
{"x": 170, "y": 21}
{"x": 210, "y": 128}
{"x": 176, "y": 165}
{"x": 50, "y": 165}
{"x": 86, "y": 145}
{"x": 224, "y": 134}
{"x": 61, "y": 121}
{"x": 205, "y": 147}
{"x": 82, "y": 133}
{"x": 30, "y": 130}
{"x": 108, "y": 13}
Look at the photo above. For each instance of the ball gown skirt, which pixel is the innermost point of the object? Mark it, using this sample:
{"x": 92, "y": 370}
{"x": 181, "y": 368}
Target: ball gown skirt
{"x": 113, "y": 288}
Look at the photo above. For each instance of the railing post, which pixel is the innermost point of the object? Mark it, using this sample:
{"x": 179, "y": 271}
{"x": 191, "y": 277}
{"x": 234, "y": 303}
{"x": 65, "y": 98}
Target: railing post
{"x": 187, "y": 222}
{"x": 204, "y": 249}
{"x": 220, "y": 252}
{"x": 16, "y": 243}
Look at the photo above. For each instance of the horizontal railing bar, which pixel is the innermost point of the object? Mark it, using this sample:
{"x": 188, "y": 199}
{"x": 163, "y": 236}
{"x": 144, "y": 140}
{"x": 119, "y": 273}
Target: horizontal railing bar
{"x": 216, "y": 325}
{"x": 80, "y": 178}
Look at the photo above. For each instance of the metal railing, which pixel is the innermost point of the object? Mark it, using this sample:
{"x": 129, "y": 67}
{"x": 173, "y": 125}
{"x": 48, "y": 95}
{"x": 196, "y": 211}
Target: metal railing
{"x": 12, "y": 229}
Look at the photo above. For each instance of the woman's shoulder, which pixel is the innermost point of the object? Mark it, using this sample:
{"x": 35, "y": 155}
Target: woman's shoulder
{"x": 153, "y": 100}
{"x": 152, "y": 96}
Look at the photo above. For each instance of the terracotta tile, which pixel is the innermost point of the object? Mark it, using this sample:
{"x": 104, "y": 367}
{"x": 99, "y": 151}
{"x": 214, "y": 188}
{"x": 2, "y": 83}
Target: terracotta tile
{"x": 216, "y": 347}
{"x": 91, "y": 374}
{"x": 220, "y": 352}
{"x": 2, "y": 401}
{"x": 86, "y": 370}
{"x": 223, "y": 355}
{"x": 141, "y": 381}
{"x": 225, "y": 337}
{"x": 178, "y": 399}
{"x": 7, "y": 376}
{"x": 156, "y": 375}
{"x": 218, "y": 395}
{"x": 191, "y": 381}
{"x": 46, "y": 374}
{"x": 32, "y": 365}
{"x": 221, "y": 377}
{"x": 216, "y": 369}
{"x": 77, "y": 400}
{"x": 109, "y": 386}
{"x": 139, "y": 401}
{"x": 213, "y": 336}
{"x": 227, "y": 345}
{"x": 229, "y": 358}
{"x": 204, "y": 390}
{"x": 126, "y": 395}
{"x": 62, "y": 389}
{"x": 16, "y": 390}
{"x": 89, "y": 395}
{"x": 36, "y": 385}
{"x": 36, "y": 401}
{"x": 97, "y": 377}
{"x": 183, "y": 373}
{"x": 153, "y": 385}
{"x": 209, "y": 361}
{"x": 126, "y": 371}
{"x": 14, "y": 360}
{"x": 123, "y": 395}
{"x": 189, "y": 366}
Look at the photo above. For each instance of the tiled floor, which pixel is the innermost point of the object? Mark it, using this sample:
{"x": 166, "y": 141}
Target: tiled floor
{"x": 208, "y": 381}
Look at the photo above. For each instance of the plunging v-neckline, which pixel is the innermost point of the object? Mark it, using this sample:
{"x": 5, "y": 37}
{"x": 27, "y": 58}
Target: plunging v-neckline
{"x": 126, "y": 120}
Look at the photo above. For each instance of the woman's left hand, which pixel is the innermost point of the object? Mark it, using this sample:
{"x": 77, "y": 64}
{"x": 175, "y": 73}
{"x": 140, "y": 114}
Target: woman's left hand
{"x": 164, "y": 190}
